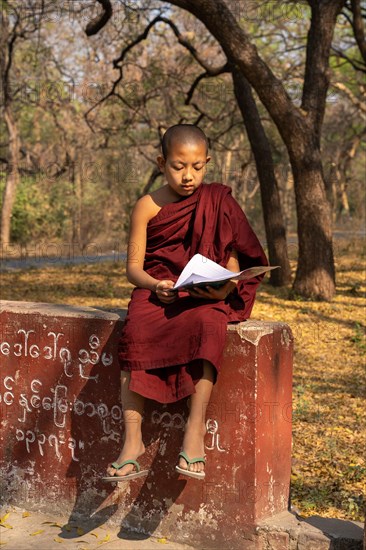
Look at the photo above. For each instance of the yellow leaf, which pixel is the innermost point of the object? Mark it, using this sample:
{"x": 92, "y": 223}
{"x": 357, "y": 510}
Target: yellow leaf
{"x": 36, "y": 532}
{"x": 163, "y": 540}
{"x": 6, "y": 525}
{"x": 80, "y": 531}
{"x": 106, "y": 538}
{"x": 4, "y": 518}
{"x": 25, "y": 515}
{"x": 94, "y": 534}
{"x": 56, "y": 539}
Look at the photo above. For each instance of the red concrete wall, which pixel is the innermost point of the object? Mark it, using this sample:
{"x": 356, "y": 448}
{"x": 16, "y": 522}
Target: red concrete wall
{"x": 61, "y": 420}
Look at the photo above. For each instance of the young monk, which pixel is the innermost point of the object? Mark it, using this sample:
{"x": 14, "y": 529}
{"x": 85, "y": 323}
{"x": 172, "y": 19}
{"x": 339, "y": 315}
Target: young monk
{"x": 172, "y": 343}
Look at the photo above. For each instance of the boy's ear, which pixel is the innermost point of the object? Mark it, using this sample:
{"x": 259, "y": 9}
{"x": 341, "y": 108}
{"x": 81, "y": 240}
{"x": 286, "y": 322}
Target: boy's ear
{"x": 161, "y": 162}
{"x": 208, "y": 160}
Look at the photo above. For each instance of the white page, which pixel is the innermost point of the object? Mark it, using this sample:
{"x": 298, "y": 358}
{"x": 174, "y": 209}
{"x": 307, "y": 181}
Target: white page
{"x": 201, "y": 269}
{"x": 205, "y": 269}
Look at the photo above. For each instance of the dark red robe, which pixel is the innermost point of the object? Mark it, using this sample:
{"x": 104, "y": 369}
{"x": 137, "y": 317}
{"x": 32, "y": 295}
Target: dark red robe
{"x": 163, "y": 345}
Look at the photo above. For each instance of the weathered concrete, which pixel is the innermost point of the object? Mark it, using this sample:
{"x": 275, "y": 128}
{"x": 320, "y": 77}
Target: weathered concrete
{"x": 290, "y": 531}
{"x": 55, "y": 532}
{"x": 62, "y": 424}
{"x": 282, "y": 532}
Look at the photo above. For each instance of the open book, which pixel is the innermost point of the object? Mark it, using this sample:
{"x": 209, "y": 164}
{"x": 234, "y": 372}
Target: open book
{"x": 201, "y": 271}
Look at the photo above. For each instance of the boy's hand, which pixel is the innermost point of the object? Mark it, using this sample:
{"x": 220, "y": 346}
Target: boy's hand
{"x": 163, "y": 292}
{"x": 213, "y": 293}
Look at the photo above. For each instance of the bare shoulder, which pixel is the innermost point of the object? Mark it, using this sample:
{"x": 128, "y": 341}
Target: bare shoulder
{"x": 147, "y": 206}
{"x": 144, "y": 209}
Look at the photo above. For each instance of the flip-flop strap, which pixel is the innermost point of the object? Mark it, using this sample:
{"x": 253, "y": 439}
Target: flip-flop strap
{"x": 119, "y": 466}
{"x": 191, "y": 460}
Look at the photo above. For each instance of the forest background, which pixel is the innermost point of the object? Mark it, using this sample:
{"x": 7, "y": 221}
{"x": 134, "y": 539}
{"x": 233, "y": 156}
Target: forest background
{"x": 83, "y": 159}
{"x": 84, "y": 104}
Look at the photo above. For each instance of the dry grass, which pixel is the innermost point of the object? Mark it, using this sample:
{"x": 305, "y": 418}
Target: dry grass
{"x": 329, "y": 471}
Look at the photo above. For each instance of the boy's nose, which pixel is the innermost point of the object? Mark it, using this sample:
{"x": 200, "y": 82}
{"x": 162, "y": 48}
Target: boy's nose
{"x": 187, "y": 176}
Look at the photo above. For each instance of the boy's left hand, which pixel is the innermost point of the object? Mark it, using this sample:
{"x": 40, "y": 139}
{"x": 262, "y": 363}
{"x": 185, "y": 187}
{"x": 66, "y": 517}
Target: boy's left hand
{"x": 213, "y": 293}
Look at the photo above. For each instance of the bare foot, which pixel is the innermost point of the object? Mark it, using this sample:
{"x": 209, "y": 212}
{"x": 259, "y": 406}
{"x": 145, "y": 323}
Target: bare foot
{"x": 193, "y": 446}
{"x": 130, "y": 451}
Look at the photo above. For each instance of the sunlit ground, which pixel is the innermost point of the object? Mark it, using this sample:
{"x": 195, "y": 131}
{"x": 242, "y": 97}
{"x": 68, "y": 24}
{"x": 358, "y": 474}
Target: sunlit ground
{"x": 329, "y": 426}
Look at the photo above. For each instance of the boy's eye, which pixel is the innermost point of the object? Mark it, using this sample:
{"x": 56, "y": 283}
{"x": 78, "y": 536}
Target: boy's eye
{"x": 181, "y": 167}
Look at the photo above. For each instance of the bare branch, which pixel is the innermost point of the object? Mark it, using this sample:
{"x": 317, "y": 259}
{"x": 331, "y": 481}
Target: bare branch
{"x": 210, "y": 71}
{"x": 227, "y": 68}
{"x": 94, "y": 26}
{"x": 316, "y": 80}
{"x": 357, "y": 65}
{"x": 358, "y": 29}
{"x": 355, "y": 100}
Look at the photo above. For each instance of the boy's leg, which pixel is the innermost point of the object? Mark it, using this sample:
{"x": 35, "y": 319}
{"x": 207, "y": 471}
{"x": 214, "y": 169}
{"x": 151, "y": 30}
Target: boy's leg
{"x": 195, "y": 430}
{"x": 133, "y": 447}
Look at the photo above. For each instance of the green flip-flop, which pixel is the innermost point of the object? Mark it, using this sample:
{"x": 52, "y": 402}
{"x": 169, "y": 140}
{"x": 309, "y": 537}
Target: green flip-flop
{"x": 127, "y": 477}
{"x": 196, "y": 475}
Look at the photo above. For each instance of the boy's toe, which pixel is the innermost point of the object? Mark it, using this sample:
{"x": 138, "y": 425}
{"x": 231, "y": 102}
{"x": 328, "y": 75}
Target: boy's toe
{"x": 110, "y": 470}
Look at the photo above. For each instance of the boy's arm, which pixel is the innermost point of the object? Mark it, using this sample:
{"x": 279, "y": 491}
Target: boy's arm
{"x": 141, "y": 214}
{"x": 233, "y": 265}
{"x": 137, "y": 246}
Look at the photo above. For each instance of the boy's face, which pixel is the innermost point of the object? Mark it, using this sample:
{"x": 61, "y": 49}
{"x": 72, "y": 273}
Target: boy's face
{"x": 185, "y": 166}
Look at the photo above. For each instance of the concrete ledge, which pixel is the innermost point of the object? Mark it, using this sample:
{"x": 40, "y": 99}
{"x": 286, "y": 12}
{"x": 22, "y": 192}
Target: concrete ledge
{"x": 59, "y": 310}
{"x": 289, "y": 531}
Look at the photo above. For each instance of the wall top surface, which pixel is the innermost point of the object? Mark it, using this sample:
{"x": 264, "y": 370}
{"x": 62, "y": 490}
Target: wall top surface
{"x": 56, "y": 310}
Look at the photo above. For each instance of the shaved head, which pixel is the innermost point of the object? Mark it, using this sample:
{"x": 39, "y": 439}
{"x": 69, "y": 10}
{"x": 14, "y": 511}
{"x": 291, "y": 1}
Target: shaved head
{"x": 183, "y": 133}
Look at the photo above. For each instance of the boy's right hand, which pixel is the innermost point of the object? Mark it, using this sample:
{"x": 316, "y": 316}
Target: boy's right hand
{"x": 163, "y": 292}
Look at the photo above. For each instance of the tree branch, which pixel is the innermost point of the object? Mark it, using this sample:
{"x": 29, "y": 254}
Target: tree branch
{"x": 357, "y": 25}
{"x": 94, "y": 26}
{"x": 355, "y": 100}
{"x": 210, "y": 71}
{"x": 316, "y": 79}
{"x": 227, "y": 68}
{"x": 357, "y": 65}
{"x": 220, "y": 21}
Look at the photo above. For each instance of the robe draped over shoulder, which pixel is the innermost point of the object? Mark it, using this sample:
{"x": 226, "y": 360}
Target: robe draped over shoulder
{"x": 164, "y": 345}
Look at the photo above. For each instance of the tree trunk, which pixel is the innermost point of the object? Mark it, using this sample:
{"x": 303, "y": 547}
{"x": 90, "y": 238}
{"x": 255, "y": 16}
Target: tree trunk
{"x": 315, "y": 276}
{"x": 77, "y": 209}
{"x": 331, "y": 185}
{"x": 271, "y": 204}
{"x": 12, "y": 177}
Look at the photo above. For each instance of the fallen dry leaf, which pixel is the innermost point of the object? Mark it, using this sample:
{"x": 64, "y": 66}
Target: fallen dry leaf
{"x": 39, "y": 532}
{"x": 4, "y": 518}
{"x": 106, "y": 538}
